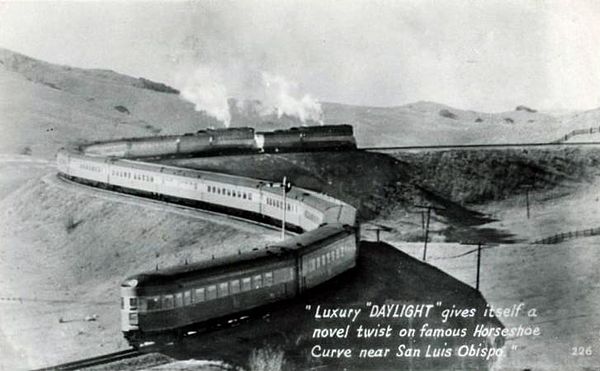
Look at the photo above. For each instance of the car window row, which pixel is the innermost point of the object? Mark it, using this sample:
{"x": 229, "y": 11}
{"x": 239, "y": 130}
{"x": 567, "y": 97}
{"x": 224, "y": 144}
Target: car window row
{"x": 279, "y": 204}
{"x": 224, "y": 191}
{"x": 214, "y": 291}
{"x": 327, "y": 258}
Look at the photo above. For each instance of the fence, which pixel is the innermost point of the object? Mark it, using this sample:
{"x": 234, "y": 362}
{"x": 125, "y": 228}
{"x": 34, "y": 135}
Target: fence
{"x": 577, "y": 132}
{"x": 560, "y": 237}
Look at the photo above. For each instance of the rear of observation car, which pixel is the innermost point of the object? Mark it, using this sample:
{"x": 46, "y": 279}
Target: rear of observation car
{"x": 163, "y": 303}
{"x": 129, "y": 307}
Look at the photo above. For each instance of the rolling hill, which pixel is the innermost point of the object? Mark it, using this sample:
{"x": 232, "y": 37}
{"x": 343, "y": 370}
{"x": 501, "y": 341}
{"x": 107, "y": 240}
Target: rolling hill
{"x": 45, "y": 106}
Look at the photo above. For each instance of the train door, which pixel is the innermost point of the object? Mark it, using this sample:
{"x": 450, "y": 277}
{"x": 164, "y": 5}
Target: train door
{"x": 300, "y": 274}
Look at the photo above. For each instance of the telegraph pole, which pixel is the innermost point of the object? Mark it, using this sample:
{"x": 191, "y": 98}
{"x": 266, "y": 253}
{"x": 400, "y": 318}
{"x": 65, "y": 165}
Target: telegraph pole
{"x": 479, "y": 245}
{"x": 429, "y": 208}
{"x": 527, "y": 187}
{"x": 283, "y": 189}
{"x": 478, "y": 265}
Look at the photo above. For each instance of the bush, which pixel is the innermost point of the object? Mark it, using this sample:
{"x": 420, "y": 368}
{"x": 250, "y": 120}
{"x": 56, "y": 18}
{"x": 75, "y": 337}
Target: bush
{"x": 122, "y": 109}
{"x": 267, "y": 359}
{"x": 71, "y": 224}
{"x": 525, "y": 108}
{"x": 156, "y": 86}
{"x": 448, "y": 114}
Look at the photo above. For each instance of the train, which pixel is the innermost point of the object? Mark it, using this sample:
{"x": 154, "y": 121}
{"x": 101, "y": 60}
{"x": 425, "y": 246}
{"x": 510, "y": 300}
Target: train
{"x": 220, "y": 141}
{"x": 164, "y": 303}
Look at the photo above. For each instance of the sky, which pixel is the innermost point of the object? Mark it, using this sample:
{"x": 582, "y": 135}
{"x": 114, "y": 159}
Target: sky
{"x": 480, "y": 55}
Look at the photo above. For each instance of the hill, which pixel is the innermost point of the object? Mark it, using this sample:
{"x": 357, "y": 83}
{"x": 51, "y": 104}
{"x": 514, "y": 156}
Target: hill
{"x": 103, "y": 104}
{"x": 65, "y": 248}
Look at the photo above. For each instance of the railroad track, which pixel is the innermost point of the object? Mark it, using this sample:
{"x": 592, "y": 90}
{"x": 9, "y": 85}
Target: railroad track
{"x": 479, "y": 146}
{"x": 95, "y": 361}
{"x": 172, "y": 205}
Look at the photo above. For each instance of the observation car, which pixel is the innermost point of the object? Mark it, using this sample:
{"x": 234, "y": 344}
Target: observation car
{"x": 164, "y": 304}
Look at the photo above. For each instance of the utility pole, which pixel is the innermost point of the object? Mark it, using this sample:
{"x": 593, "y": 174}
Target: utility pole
{"x": 426, "y": 234}
{"x": 479, "y": 246}
{"x": 527, "y": 189}
{"x": 283, "y": 189}
{"x": 429, "y": 208}
{"x": 527, "y": 200}
{"x": 478, "y": 265}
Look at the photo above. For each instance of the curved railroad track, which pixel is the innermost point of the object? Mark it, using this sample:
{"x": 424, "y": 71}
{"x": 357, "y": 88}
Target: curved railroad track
{"x": 95, "y": 361}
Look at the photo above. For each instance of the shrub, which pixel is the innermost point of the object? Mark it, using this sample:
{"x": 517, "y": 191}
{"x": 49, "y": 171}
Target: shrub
{"x": 122, "y": 109}
{"x": 267, "y": 359}
{"x": 155, "y": 86}
{"x": 525, "y": 108}
{"x": 448, "y": 114}
{"x": 71, "y": 224}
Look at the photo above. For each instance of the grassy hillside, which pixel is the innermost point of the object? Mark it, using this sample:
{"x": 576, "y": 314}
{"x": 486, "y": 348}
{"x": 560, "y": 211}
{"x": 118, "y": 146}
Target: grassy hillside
{"x": 46, "y": 106}
{"x": 65, "y": 251}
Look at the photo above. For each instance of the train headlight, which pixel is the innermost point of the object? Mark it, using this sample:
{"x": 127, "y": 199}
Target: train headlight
{"x": 132, "y": 283}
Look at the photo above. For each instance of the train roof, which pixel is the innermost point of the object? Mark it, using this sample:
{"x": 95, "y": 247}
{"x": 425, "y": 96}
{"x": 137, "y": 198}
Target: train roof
{"x": 344, "y": 128}
{"x": 270, "y": 254}
{"x": 311, "y": 198}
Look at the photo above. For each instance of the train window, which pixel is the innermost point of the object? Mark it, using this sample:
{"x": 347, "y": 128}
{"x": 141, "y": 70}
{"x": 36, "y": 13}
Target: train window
{"x": 211, "y": 292}
{"x": 223, "y": 289}
{"x": 209, "y": 189}
{"x": 133, "y": 303}
{"x": 179, "y": 299}
{"x": 318, "y": 262}
{"x": 168, "y": 302}
{"x": 187, "y": 297}
{"x": 234, "y": 286}
{"x": 199, "y": 295}
{"x": 246, "y": 285}
{"x": 229, "y": 192}
{"x": 257, "y": 281}
{"x": 142, "y": 304}
{"x": 244, "y": 195}
{"x": 154, "y": 303}
{"x": 268, "y": 279}
{"x": 311, "y": 265}
{"x": 122, "y": 303}
{"x": 218, "y": 191}
{"x": 250, "y": 196}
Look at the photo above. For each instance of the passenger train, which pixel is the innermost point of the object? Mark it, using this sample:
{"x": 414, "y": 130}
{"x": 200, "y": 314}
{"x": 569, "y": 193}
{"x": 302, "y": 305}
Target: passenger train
{"x": 167, "y": 301}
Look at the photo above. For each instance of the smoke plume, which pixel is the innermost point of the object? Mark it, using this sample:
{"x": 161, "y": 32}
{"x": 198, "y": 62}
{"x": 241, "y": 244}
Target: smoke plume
{"x": 281, "y": 96}
{"x": 206, "y": 90}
